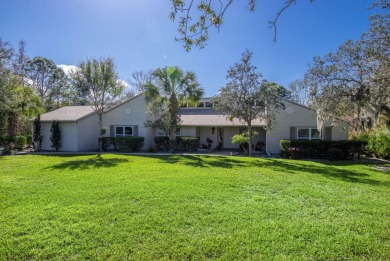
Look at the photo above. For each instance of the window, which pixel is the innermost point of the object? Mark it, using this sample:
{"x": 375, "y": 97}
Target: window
{"x": 204, "y": 104}
{"x": 208, "y": 105}
{"x": 316, "y": 134}
{"x": 123, "y": 131}
{"x": 303, "y": 134}
{"x": 309, "y": 134}
{"x": 178, "y": 131}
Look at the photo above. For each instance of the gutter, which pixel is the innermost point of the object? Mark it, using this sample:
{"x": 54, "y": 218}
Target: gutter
{"x": 266, "y": 143}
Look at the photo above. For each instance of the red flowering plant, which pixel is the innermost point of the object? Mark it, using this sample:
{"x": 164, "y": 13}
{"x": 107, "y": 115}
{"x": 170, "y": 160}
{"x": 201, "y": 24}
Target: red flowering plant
{"x": 294, "y": 153}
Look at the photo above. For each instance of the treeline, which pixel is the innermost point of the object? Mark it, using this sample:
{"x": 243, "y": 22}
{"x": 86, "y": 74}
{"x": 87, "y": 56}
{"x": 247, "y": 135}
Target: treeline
{"x": 352, "y": 83}
{"x": 29, "y": 87}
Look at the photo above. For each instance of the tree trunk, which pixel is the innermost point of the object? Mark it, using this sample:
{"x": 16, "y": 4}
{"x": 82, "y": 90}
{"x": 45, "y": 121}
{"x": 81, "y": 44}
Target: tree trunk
{"x": 250, "y": 139}
{"x": 13, "y": 122}
{"x": 173, "y": 109}
{"x": 100, "y": 115}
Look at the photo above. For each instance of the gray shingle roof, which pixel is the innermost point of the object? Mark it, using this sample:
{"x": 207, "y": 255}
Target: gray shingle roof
{"x": 67, "y": 114}
{"x": 210, "y": 117}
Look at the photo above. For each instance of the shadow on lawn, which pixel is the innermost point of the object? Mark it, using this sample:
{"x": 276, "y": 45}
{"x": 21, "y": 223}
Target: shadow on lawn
{"x": 94, "y": 162}
{"x": 203, "y": 161}
{"x": 325, "y": 168}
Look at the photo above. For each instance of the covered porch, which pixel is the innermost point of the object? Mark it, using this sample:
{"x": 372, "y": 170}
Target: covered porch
{"x": 221, "y": 136}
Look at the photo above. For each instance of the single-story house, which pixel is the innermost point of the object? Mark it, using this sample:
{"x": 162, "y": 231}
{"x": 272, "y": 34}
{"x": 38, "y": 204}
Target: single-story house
{"x": 80, "y": 129}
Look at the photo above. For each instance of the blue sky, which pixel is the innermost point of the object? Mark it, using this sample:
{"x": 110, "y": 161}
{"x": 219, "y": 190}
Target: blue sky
{"x": 139, "y": 35}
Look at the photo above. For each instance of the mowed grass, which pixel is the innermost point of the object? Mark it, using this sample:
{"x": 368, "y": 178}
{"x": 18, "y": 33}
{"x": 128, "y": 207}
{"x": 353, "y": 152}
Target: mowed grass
{"x": 118, "y": 207}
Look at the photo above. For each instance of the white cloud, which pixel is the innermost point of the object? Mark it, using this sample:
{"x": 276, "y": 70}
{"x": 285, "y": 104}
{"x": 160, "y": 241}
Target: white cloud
{"x": 124, "y": 83}
{"x": 67, "y": 68}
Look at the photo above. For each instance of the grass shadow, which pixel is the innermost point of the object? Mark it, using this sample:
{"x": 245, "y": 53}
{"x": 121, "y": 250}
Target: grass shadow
{"x": 201, "y": 161}
{"x": 94, "y": 162}
{"x": 323, "y": 168}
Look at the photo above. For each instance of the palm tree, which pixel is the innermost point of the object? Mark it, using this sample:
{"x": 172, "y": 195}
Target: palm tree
{"x": 170, "y": 87}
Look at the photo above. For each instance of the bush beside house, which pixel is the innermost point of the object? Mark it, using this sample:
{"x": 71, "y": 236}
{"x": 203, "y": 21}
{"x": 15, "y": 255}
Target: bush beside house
{"x": 378, "y": 142}
{"x": 130, "y": 143}
{"x": 333, "y": 150}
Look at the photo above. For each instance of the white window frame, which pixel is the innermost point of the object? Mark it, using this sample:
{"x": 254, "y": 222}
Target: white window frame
{"x": 310, "y": 134}
{"x": 123, "y": 128}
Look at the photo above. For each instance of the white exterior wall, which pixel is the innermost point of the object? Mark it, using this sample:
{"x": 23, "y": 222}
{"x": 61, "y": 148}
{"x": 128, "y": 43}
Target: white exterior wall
{"x": 188, "y": 131}
{"x": 340, "y": 132}
{"x": 45, "y": 129}
{"x": 206, "y": 132}
{"x": 69, "y": 138}
{"x": 227, "y": 138}
{"x": 120, "y": 116}
{"x": 88, "y": 133}
{"x": 301, "y": 118}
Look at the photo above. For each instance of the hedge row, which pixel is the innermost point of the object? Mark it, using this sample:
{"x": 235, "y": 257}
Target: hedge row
{"x": 378, "y": 141}
{"x": 341, "y": 149}
{"x": 16, "y": 142}
{"x": 130, "y": 143}
{"x": 187, "y": 143}
{"x": 184, "y": 143}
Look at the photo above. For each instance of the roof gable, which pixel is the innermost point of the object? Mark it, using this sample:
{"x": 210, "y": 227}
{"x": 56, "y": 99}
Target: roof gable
{"x": 68, "y": 114}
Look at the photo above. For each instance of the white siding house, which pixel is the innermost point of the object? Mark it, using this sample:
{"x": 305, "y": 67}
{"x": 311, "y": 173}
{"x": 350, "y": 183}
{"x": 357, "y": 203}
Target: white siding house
{"x": 131, "y": 114}
{"x": 295, "y": 117}
{"x": 80, "y": 129}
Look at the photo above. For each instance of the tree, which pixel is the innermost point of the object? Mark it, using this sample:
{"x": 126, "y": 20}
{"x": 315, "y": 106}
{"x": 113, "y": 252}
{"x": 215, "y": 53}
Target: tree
{"x": 18, "y": 102}
{"x": 97, "y": 82}
{"x": 300, "y": 92}
{"x": 208, "y": 14}
{"x": 353, "y": 82}
{"x": 169, "y": 87}
{"x": 280, "y": 90}
{"x": 55, "y": 136}
{"x": 45, "y": 75}
{"x": 61, "y": 92}
{"x": 20, "y": 61}
{"x": 37, "y": 135}
{"x": 247, "y": 98}
{"x": 140, "y": 79}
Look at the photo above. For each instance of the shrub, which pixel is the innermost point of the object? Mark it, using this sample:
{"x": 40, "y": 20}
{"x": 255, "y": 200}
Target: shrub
{"x": 162, "y": 143}
{"x": 320, "y": 148}
{"x": 335, "y": 154}
{"x": 284, "y": 146}
{"x": 106, "y": 142}
{"x": 20, "y": 142}
{"x": 294, "y": 153}
{"x": 2, "y": 140}
{"x": 55, "y": 136}
{"x": 37, "y": 135}
{"x": 130, "y": 143}
{"x": 188, "y": 143}
{"x": 10, "y": 144}
{"x": 160, "y": 139}
{"x": 152, "y": 150}
{"x": 243, "y": 140}
{"x": 29, "y": 140}
{"x": 379, "y": 142}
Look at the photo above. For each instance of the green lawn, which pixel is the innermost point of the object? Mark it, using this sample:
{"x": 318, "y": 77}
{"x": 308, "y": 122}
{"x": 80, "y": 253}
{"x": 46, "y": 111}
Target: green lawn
{"x": 191, "y": 207}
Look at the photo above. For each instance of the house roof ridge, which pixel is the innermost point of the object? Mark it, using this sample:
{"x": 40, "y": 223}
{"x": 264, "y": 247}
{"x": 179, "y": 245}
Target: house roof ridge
{"x": 126, "y": 101}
